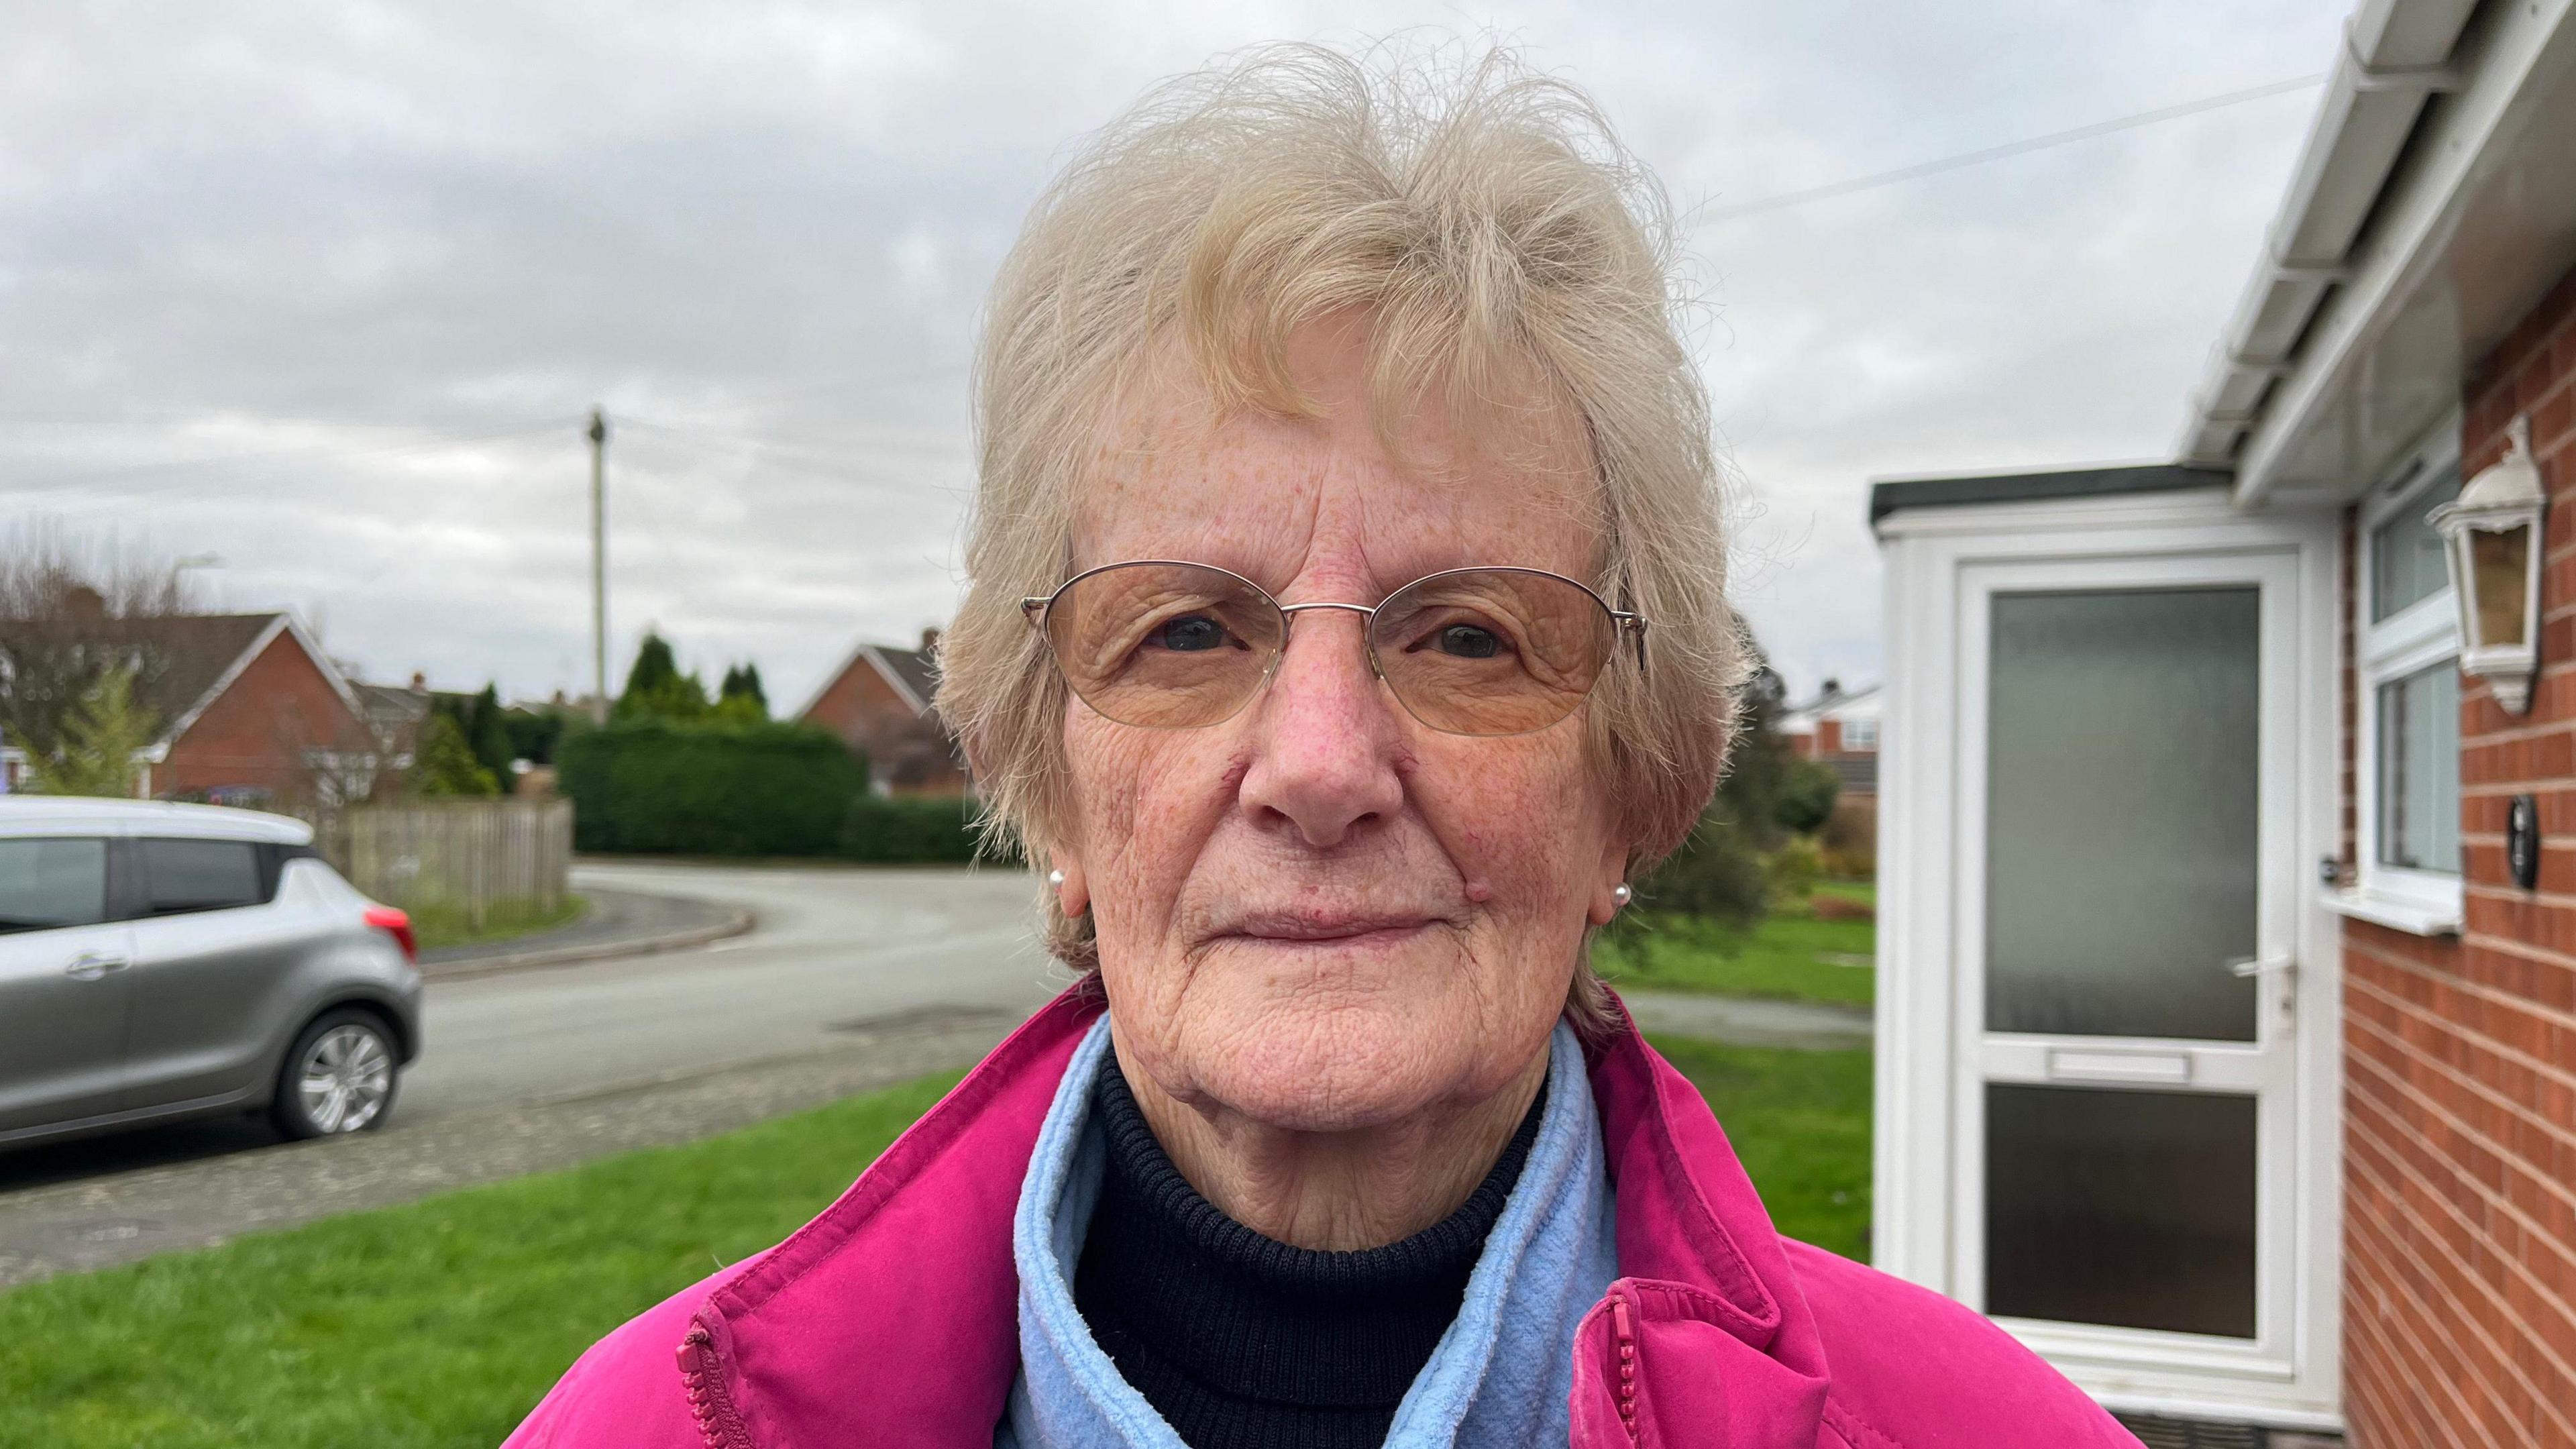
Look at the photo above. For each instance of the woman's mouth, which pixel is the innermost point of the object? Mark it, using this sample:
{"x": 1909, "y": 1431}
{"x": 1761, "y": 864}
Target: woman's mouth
{"x": 1313, "y": 928}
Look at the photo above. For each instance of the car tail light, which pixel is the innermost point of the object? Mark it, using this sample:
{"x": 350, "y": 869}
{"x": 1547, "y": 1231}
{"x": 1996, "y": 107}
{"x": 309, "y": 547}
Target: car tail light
{"x": 396, "y": 924}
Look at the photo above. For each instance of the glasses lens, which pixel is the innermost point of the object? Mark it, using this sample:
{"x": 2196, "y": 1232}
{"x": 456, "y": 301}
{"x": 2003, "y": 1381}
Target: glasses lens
{"x": 1492, "y": 651}
{"x": 1164, "y": 645}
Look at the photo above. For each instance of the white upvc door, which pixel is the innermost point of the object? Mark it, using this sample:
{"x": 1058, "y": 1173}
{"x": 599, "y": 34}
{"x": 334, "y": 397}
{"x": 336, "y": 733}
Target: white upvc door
{"x": 2107, "y": 988}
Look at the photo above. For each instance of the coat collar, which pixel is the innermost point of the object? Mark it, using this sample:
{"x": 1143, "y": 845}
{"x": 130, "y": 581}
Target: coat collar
{"x": 899, "y": 1302}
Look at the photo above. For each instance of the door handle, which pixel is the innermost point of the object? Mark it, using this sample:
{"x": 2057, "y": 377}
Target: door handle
{"x": 90, "y": 965}
{"x": 2255, "y": 968}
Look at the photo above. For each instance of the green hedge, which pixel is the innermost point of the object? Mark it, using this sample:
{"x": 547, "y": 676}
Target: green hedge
{"x": 690, "y": 789}
{"x": 910, "y": 830}
{"x": 653, "y": 785}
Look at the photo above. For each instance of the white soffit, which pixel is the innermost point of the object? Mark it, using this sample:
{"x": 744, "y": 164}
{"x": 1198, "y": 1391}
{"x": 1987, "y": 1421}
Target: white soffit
{"x": 2434, "y": 204}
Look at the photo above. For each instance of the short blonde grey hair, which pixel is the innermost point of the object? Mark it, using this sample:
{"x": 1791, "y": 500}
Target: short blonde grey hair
{"x": 1486, "y": 222}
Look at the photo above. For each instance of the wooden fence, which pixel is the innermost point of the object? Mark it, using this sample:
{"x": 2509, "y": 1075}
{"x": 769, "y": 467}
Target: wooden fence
{"x": 471, "y": 855}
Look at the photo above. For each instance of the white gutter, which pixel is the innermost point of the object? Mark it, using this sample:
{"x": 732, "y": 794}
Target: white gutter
{"x": 2396, "y": 54}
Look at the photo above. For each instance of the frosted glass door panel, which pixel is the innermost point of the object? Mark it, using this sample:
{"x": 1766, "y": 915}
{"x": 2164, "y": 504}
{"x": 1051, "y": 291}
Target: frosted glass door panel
{"x": 2120, "y": 812}
{"x": 2134, "y": 1209}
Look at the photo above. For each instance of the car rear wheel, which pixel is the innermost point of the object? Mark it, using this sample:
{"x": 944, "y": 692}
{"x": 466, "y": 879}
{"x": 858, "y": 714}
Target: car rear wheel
{"x": 339, "y": 1078}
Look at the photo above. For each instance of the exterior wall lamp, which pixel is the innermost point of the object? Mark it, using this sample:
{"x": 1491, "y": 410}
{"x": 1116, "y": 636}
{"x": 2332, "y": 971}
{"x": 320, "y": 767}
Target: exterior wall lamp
{"x": 2492, "y": 541}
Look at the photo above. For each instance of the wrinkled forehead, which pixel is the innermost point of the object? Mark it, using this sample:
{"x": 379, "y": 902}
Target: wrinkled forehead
{"x": 1347, "y": 480}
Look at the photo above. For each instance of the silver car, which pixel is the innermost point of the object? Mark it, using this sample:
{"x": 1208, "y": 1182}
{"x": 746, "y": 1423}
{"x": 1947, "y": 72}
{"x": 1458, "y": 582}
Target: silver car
{"x": 167, "y": 961}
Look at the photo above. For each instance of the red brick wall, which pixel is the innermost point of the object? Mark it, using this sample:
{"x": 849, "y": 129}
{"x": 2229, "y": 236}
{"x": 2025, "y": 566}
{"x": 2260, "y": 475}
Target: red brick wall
{"x": 2460, "y": 1055}
{"x": 858, "y": 703}
{"x": 866, "y": 712}
{"x": 256, "y": 732}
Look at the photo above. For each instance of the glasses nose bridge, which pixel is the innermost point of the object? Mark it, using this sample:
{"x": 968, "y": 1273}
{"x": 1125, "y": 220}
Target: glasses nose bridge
{"x": 1288, "y": 616}
{"x": 1365, "y": 611}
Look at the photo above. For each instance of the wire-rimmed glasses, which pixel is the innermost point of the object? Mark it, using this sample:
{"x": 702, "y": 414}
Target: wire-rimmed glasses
{"x": 1162, "y": 644}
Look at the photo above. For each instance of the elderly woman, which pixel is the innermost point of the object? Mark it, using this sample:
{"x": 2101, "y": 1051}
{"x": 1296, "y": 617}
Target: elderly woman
{"x": 1345, "y": 632}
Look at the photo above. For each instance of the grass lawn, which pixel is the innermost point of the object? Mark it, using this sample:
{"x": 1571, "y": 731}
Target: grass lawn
{"x": 440, "y": 1323}
{"x": 1863, "y": 891}
{"x": 1790, "y": 955}
{"x": 1799, "y": 1120}
{"x": 440, "y": 926}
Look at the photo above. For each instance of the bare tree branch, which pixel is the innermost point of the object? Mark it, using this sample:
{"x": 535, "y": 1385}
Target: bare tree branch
{"x": 60, "y": 592}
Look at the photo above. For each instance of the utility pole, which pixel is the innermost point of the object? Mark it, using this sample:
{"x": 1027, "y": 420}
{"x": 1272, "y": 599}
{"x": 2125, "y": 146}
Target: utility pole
{"x": 599, "y": 565}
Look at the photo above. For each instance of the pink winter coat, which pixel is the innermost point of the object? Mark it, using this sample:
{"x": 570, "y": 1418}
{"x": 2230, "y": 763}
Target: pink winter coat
{"x": 892, "y": 1318}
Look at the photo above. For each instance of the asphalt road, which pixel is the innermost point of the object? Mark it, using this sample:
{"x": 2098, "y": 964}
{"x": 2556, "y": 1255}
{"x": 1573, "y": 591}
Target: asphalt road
{"x": 849, "y": 979}
{"x": 832, "y": 951}
{"x": 836, "y": 956}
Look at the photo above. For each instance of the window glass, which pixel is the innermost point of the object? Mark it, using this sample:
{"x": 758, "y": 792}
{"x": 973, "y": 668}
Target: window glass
{"x": 2419, "y": 770}
{"x": 2406, "y": 554}
{"x": 1860, "y": 734}
{"x": 52, "y": 882}
{"x": 200, "y": 875}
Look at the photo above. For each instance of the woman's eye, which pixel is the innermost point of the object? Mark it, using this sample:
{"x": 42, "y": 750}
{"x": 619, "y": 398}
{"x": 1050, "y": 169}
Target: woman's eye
{"x": 1466, "y": 641}
{"x": 1190, "y": 633}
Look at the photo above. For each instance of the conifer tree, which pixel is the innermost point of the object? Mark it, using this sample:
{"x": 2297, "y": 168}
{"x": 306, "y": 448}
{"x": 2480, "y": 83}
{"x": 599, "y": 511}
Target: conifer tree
{"x": 444, "y": 765}
{"x": 656, "y": 689}
{"x": 100, "y": 735}
{"x": 740, "y": 700}
{"x": 487, "y": 734}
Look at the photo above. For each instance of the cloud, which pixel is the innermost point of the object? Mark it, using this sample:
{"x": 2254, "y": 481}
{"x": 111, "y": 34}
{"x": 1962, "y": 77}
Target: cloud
{"x": 328, "y": 291}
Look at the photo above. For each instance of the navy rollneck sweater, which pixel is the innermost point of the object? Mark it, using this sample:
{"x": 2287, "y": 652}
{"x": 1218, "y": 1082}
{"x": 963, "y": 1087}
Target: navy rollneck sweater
{"x": 1243, "y": 1342}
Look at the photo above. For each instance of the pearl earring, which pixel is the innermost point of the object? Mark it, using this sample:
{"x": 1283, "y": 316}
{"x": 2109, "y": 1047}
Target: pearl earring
{"x": 1622, "y": 894}
{"x": 1055, "y": 877}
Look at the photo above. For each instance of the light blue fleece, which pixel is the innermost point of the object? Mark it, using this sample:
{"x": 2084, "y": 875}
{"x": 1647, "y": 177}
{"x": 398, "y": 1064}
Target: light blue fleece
{"x": 1500, "y": 1376}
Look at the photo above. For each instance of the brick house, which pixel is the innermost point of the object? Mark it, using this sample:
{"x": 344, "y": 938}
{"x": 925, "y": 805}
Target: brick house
{"x": 878, "y": 702}
{"x": 1838, "y": 728}
{"x": 250, "y": 711}
{"x": 2221, "y": 1057}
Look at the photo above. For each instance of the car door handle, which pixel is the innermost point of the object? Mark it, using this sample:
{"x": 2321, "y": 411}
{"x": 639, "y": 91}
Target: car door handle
{"x": 90, "y": 965}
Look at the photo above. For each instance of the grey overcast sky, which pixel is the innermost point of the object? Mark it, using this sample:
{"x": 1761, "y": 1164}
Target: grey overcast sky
{"x": 324, "y": 289}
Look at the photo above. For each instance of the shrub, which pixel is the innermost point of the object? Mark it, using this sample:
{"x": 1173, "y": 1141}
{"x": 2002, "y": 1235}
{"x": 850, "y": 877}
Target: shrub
{"x": 1807, "y": 791}
{"x": 534, "y": 732}
{"x": 1717, "y": 873}
{"x": 1841, "y": 908}
{"x": 1793, "y": 869}
{"x": 910, "y": 830}
{"x": 658, "y": 785}
{"x": 1851, "y": 839}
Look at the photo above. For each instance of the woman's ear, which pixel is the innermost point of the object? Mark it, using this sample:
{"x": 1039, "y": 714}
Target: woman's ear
{"x": 1072, "y": 888}
{"x": 1610, "y": 885}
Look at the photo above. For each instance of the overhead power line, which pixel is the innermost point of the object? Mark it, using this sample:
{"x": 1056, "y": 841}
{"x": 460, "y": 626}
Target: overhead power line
{"x": 1708, "y": 213}
{"x": 313, "y": 451}
{"x": 808, "y": 460}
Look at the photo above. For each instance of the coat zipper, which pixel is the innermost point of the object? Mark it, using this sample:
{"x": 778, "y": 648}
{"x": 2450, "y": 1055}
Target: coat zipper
{"x": 1623, "y": 1332}
{"x": 703, "y": 1372}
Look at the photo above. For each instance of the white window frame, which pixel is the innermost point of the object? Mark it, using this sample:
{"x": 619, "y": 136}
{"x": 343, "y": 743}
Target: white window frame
{"x": 2423, "y": 634}
{"x": 1853, "y": 746}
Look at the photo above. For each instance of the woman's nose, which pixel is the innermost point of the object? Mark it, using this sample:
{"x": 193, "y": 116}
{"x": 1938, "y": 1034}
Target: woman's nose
{"x": 1325, "y": 739}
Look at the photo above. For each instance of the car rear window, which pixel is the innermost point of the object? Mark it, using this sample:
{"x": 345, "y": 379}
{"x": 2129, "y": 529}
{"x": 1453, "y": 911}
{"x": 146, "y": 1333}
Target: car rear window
{"x": 200, "y": 875}
{"x": 50, "y": 881}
